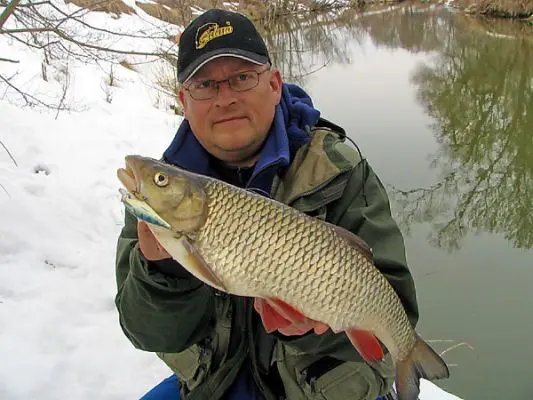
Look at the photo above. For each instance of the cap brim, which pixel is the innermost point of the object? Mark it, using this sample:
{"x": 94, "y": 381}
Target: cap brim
{"x": 188, "y": 72}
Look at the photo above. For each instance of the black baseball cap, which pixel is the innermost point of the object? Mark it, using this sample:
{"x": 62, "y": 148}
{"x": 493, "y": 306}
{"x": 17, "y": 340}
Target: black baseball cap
{"x": 219, "y": 33}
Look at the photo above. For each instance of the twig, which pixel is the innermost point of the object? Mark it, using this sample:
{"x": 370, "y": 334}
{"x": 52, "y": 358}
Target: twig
{"x": 2, "y": 186}
{"x": 9, "y": 60}
{"x": 10, "y": 155}
{"x": 28, "y": 98}
{"x": 65, "y": 88}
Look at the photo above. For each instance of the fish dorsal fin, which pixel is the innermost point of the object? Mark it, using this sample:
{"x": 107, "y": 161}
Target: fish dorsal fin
{"x": 354, "y": 240}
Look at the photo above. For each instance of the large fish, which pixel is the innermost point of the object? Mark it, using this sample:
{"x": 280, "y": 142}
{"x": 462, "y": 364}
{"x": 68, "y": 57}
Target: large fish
{"x": 249, "y": 245}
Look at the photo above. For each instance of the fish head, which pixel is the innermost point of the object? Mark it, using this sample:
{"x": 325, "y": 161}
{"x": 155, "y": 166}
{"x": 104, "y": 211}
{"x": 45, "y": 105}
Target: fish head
{"x": 176, "y": 196}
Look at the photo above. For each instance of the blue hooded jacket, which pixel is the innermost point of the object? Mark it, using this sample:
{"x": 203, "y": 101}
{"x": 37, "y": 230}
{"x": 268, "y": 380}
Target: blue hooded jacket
{"x": 293, "y": 119}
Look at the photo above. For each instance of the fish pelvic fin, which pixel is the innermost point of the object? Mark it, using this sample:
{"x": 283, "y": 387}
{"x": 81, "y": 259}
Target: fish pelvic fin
{"x": 423, "y": 362}
{"x": 366, "y": 344}
{"x": 287, "y": 311}
{"x": 272, "y": 320}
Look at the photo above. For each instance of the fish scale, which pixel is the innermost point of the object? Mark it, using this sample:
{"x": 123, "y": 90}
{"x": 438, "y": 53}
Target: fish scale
{"x": 322, "y": 260}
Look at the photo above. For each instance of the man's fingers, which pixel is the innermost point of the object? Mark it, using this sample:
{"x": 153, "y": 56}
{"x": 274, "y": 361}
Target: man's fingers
{"x": 320, "y": 328}
{"x": 150, "y": 247}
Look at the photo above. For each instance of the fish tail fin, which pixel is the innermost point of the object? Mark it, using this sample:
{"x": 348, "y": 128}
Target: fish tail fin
{"x": 423, "y": 362}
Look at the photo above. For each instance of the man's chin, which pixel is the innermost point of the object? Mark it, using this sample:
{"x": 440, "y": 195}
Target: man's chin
{"x": 239, "y": 155}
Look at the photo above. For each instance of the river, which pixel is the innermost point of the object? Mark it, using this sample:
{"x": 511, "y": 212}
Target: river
{"x": 442, "y": 106}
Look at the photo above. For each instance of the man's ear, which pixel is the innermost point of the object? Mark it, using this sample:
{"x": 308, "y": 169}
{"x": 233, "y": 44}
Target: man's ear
{"x": 183, "y": 102}
{"x": 276, "y": 84}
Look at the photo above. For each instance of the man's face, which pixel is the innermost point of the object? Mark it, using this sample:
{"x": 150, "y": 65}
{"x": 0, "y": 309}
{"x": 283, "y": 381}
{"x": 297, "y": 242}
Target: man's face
{"x": 232, "y": 126}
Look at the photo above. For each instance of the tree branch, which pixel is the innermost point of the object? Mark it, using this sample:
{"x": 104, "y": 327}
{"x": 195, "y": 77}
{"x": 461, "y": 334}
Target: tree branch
{"x": 9, "y": 60}
{"x": 26, "y": 30}
{"x": 8, "y": 11}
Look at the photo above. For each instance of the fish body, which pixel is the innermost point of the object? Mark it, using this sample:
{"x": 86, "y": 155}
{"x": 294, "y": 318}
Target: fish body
{"x": 249, "y": 245}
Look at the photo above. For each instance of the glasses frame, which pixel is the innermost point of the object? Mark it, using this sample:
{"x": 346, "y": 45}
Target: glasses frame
{"x": 228, "y": 79}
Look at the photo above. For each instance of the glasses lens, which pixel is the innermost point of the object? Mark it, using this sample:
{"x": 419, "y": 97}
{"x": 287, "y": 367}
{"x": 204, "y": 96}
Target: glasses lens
{"x": 203, "y": 90}
{"x": 244, "y": 81}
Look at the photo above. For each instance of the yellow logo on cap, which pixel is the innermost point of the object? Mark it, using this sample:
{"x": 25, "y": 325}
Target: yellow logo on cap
{"x": 211, "y": 31}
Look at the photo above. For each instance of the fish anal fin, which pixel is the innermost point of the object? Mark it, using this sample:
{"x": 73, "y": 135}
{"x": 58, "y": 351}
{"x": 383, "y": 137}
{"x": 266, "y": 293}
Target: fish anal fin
{"x": 287, "y": 311}
{"x": 366, "y": 344}
{"x": 354, "y": 240}
{"x": 423, "y": 362}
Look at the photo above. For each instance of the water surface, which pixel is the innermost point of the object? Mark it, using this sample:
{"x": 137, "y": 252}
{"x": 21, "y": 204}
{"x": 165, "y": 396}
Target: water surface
{"x": 442, "y": 106}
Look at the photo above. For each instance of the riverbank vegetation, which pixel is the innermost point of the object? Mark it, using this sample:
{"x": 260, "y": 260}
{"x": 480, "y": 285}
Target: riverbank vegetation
{"x": 522, "y": 9}
{"x": 180, "y": 12}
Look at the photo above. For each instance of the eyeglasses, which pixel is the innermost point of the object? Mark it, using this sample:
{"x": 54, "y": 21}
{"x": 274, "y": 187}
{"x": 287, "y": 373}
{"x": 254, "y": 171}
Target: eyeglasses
{"x": 241, "y": 82}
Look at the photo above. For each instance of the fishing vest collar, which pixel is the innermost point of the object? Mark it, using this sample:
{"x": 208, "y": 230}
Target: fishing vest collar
{"x": 324, "y": 159}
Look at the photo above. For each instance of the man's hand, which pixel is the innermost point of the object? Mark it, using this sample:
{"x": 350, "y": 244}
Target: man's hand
{"x": 150, "y": 247}
{"x": 273, "y": 320}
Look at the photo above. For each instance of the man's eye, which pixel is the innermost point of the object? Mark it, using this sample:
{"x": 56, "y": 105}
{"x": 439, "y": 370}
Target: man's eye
{"x": 204, "y": 84}
{"x": 243, "y": 76}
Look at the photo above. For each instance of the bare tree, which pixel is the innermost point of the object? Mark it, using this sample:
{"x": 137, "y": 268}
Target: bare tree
{"x": 61, "y": 32}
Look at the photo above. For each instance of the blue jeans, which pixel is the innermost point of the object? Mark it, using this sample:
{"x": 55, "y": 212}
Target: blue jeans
{"x": 168, "y": 390}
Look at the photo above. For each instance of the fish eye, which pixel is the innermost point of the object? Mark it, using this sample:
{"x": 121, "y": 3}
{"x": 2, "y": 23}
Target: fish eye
{"x": 161, "y": 179}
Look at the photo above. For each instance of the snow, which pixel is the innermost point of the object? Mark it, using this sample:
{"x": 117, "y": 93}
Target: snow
{"x": 60, "y": 216}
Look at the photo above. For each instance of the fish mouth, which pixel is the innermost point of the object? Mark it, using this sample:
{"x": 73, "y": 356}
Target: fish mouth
{"x": 129, "y": 178}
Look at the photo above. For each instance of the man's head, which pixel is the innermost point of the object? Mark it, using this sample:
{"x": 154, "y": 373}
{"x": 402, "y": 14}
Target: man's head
{"x": 228, "y": 89}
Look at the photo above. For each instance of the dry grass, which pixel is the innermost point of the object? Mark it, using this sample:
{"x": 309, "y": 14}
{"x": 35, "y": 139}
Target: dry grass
{"x": 126, "y": 64}
{"x": 168, "y": 87}
{"x": 176, "y": 16}
{"x": 451, "y": 347}
{"x": 116, "y": 7}
{"x": 498, "y": 8}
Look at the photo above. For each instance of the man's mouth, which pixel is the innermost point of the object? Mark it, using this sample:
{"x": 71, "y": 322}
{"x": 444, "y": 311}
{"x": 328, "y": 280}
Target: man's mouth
{"x": 223, "y": 120}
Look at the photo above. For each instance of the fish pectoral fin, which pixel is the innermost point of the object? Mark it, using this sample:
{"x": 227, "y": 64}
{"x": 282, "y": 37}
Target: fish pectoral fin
{"x": 354, "y": 240}
{"x": 196, "y": 265}
{"x": 366, "y": 344}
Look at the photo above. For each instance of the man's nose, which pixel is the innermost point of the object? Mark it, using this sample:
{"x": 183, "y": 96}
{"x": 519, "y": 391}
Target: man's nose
{"x": 225, "y": 95}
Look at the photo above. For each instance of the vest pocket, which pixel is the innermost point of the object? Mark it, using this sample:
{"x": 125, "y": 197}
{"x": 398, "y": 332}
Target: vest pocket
{"x": 196, "y": 363}
{"x": 312, "y": 377}
{"x": 349, "y": 380}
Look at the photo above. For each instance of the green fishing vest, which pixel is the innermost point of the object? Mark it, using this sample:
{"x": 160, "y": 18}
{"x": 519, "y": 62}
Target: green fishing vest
{"x": 207, "y": 369}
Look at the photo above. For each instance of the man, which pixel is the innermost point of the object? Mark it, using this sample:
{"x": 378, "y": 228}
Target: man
{"x": 245, "y": 126}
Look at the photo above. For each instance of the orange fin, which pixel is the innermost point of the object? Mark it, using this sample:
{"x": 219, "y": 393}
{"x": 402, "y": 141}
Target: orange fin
{"x": 366, "y": 344}
{"x": 272, "y": 320}
{"x": 286, "y": 310}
